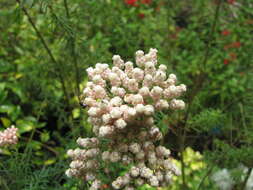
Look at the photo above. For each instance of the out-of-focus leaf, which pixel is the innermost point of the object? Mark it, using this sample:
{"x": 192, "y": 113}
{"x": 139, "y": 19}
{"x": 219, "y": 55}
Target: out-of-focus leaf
{"x": 25, "y": 125}
{"x": 6, "y": 122}
{"x": 16, "y": 113}
{"x": 7, "y": 109}
{"x": 29, "y": 3}
{"x": 2, "y": 86}
{"x": 5, "y": 66}
{"x": 35, "y": 145}
{"x": 3, "y": 96}
{"x": 76, "y": 113}
{"x": 50, "y": 161}
{"x": 17, "y": 90}
{"x": 44, "y": 137}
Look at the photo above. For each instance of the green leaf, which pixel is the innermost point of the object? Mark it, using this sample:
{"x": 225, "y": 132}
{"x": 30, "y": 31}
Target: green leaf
{"x": 5, "y": 66}
{"x": 29, "y": 3}
{"x": 6, "y": 122}
{"x": 44, "y": 137}
{"x": 25, "y": 126}
{"x": 35, "y": 145}
{"x": 17, "y": 90}
{"x": 50, "y": 161}
{"x": 76, "y": 113}
{"x": 7, "y": 109}
{"x": 3, "y": 96}
{"x": 15, "y": 113}
{"x": 2, "y": 86}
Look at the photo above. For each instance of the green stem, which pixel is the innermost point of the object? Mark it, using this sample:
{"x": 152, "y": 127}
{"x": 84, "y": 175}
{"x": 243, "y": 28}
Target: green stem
{"x": 182, "y": 166}
{"x": 200, "y": 80}
{"x": 202, "y": 77}
{"x": 4, "y": 184}
{"x": 66, "y": 8}
{"x": 73, "y": 52}
{"x": 51, "y": 149}
{"x": 58, "y": 66}
{"x": 246, "y": 178}
{"x": 26, "y": 153}
{"x": 211, "y": 35}
{"x": 205, "y": 176}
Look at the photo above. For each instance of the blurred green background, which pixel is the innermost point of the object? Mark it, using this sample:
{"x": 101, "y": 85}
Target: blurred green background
{"x": 46, "y": 45}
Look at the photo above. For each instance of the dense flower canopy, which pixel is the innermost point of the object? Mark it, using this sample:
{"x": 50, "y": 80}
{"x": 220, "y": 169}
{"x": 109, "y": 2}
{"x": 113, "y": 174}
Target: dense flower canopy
{"x": 122, "y": 101}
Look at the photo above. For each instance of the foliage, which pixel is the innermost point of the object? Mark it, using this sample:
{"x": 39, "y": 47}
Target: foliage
{"x": 196, "y": 169}
{"x": 45, "y": 47}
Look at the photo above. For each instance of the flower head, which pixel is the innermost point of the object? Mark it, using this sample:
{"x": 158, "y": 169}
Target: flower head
{"x": 121, "y": 103}
{"x": 146, "y": 1}
{"x": 225, "y": 32}
{"x": 231, "y": 2}
{"x": 131, "y": 2}
{"x": 8, "y": 136}
{"x": 226, "y": 61}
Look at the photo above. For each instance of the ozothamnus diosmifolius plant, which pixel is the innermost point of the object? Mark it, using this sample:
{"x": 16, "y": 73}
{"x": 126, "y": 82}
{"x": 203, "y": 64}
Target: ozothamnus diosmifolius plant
{"x": 121, "y": 103}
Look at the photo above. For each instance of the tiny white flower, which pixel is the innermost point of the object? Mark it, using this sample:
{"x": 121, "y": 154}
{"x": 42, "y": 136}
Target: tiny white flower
{"x": 120, "y": 123}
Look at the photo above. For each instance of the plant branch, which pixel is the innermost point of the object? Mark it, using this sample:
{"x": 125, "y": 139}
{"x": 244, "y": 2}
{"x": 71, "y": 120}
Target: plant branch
{"x": 246, "y": 178}
{"x": 182, "y": 162}
{"x": 4, "y": 184}
{"x": 205, "y": 176}
{"x": 199, "y": 83}
{"x": 26, "y": 150}
{"x": 73, "y": 46}
{"x": 66, "y": 8}
{"x": 49, "y": 52}
{"x": 51, "y": 149}
{"x": 200, "y": 79}
{"x": 211, "y": 35}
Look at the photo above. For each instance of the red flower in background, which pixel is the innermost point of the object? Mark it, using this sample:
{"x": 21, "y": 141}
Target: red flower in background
{"x": 231, "y": 1}
{"x": 134, "y": 2}
{"x": 233, "y": 56}
{"x": 131, "y": 2}
{"x": 105, "y": 186}
{"x": 146, "y": 1}
{"x": 175, "y": 34}
{"x": 141, "y": 15}
{"x": 233, "y": 45}
{"x": 236, "y": 44}
{"x": 225, "y": 32}
{"x": 226, "y": 61}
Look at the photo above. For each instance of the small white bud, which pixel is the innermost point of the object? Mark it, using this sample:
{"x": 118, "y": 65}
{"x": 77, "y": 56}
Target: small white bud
{"x": 120, "y": 123}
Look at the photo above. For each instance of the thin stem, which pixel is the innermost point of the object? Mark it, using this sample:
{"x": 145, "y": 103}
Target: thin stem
{"x": 2, "y": 181}
{"x": 205, "y": 176}
{"x": 77, "y": 73}
{"x": 211, "y": 35}
{"x": 202, "y": 77}
{"x": 73, "y": 46}
{"x": 200, "y": 80}
{"x": 51, "y": 149}
{"x": 58, "y": 66}
{"x": 32, "y": 133}
{"x": 209, "y": 171}
{"x": 246, "y": 178}
{"x": 66, "y": 8}
{"x": 182, "y": 163}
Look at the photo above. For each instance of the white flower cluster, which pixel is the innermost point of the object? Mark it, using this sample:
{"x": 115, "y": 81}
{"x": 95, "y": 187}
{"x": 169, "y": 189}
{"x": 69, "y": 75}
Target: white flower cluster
{"x": 8, "y": 136}
{"x": 84, "y": 160}
{"x": 225, "y": 181}
{"x": 121, "y": 104}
